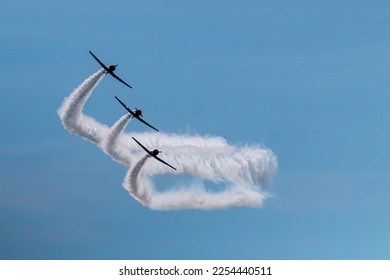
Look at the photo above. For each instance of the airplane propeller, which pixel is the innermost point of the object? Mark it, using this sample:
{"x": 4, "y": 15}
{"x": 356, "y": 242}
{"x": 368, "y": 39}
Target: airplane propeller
{"x": 138, "y": 110}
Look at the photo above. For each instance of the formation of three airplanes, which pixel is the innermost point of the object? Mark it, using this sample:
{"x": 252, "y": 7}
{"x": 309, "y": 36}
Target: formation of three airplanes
{"x": 134, "y": 114}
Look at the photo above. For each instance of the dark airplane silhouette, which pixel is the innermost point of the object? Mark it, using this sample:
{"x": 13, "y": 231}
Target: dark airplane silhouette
{"x": 110, "y": 70}
{"x": 136, "y": 114}
{"x": 154, "y": 154}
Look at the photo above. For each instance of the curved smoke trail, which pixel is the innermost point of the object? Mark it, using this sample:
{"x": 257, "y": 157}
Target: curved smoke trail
{"x": 111, "y": 146}
{"x": 143, "y": 195}
{"x": 71, "y": 111}
{"x": 243, "y": 171}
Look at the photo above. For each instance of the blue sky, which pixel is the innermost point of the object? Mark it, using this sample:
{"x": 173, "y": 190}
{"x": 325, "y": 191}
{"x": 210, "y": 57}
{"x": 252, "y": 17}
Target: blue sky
{"x": 308, "y": 80}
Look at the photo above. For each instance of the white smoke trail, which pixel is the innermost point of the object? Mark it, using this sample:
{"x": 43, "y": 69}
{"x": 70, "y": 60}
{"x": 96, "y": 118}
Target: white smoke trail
{"x": 111, "y": 146}
{"x": 71, "y": 111}
{"x": 194, "y": 196}
{"x": 243, "y": 171}
{"x": 134, "y": 188}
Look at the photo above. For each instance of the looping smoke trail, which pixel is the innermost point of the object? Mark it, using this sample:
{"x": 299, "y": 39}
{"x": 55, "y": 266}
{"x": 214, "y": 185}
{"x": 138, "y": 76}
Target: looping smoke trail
{"x": 71, "y": 111}
{"x": 194, "y": 196}
{"x": 243, "y": 171}
{"x": 233, "y": 169}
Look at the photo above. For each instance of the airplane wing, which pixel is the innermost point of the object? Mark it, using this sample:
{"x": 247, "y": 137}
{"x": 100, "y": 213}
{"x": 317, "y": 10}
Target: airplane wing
{"x": 151, "y": 126}
{"x": 119, "y": 79}
{"x": 124, "y": 105}
{"x": 137, "y": 117}
{"x": 159, "y": 159}
{"x": 101, "y": 63}
{"x": 143, "y": 147}
{"x": 150, "y": 153}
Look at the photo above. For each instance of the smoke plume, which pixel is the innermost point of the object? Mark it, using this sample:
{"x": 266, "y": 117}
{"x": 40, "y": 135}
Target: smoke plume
{"x": 240, "y": 172}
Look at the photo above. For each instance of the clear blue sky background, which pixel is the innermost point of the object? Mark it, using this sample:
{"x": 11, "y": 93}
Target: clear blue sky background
{"x": 308, "y": 79}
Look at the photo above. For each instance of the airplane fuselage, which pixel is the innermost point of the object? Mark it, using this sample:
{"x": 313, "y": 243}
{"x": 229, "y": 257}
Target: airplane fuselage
{"x": 155, "y": 152}
{"x": 137, "y": 113}
{"x": 111, "y": 68}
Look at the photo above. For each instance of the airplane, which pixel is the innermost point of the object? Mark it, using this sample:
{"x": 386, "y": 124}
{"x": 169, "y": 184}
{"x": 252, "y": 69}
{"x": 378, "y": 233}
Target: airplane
{"x": 110, "y": 70}
{"x": 154, "y": 154}
{"x": 136, "y": 114}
